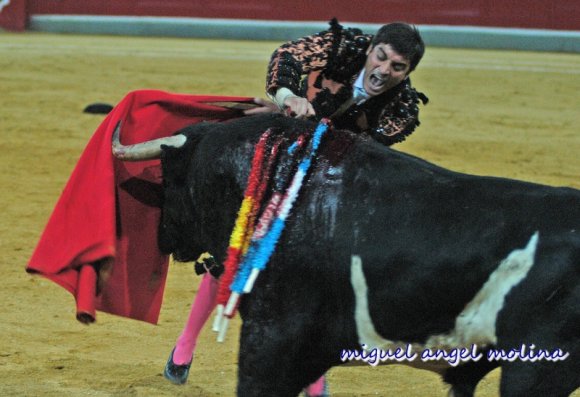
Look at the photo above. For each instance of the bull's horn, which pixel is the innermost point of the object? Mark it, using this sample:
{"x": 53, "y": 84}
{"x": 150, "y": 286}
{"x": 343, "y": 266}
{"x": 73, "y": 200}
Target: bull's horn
{"x": 143, "y": 151}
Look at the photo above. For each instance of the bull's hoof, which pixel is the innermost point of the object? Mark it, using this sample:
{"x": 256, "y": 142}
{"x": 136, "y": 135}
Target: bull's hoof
{"x": 176, "y": 374}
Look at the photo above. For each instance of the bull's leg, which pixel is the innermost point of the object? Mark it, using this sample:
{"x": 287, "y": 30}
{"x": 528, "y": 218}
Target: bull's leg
{"x": 538, "y": 379}
{"x": 555, "y": 372}
{"x": 542, "y": 313}
{"x": 464, "y": 378}
{"x": 276, "y": 360}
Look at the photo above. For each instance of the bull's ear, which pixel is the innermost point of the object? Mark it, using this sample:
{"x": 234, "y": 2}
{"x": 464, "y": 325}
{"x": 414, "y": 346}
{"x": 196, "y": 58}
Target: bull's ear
{"x": 174, "y": 163}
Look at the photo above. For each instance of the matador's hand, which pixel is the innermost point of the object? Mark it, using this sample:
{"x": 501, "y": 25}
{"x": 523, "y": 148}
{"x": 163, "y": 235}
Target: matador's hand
{"x": 265, "y": 106}
{"x": 298, "y": 107}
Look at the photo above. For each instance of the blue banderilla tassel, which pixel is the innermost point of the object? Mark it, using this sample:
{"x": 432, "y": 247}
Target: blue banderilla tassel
{"x": 261, "y": 250}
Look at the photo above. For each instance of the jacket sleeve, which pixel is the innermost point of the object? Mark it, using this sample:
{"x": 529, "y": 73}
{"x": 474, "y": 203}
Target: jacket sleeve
{"x": 400, "y": 117}
{"x": 296, "y": 58}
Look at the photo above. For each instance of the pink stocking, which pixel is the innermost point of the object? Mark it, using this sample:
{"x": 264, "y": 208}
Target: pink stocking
{"x": 316, "y": 388}
{"x": 203, "y": 304}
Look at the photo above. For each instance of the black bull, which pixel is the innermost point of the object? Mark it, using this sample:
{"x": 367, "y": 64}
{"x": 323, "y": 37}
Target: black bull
{"x": 429, "y": 240}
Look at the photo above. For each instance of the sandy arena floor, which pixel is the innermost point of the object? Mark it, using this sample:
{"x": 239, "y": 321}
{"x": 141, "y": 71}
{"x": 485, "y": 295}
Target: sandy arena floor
{"x": 512, "y": 114}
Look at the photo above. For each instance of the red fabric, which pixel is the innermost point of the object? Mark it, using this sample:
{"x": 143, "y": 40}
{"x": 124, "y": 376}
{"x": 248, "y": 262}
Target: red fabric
{"x": 109, "y": 210}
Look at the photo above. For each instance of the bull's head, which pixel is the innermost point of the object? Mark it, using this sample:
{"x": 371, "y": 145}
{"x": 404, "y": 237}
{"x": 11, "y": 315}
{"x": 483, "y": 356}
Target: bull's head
{"x": 143, "y": 151}
{"x": 179, "y": 232}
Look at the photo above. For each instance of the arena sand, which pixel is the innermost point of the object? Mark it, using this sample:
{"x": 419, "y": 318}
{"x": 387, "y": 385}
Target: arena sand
{"x": 512, "y": 114}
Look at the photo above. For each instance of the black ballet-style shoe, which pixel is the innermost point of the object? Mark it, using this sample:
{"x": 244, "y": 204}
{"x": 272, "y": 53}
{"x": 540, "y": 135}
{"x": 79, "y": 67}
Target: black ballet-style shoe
{"x": 176, "y": 374}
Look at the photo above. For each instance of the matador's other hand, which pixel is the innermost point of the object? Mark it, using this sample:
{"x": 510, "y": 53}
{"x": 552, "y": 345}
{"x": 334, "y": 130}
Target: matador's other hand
{"x": 298, "y": 107}
{"x": 264, "y": 106}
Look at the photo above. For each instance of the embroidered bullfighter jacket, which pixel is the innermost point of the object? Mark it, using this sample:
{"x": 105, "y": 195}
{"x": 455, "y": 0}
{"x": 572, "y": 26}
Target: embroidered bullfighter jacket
{"x": 323, "y": 68}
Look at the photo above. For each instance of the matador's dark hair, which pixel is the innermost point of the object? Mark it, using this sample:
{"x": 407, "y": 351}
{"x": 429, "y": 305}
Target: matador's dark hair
{"x": 404, "y": 38}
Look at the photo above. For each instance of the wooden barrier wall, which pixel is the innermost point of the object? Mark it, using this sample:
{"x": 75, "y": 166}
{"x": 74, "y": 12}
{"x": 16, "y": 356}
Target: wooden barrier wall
{"x": 536, "y": 14}
{"x": 13, "y": 14}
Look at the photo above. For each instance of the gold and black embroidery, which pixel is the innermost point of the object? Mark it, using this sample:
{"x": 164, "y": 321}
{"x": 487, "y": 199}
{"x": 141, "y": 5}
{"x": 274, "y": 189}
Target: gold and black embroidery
{"x": 323, "y": 68}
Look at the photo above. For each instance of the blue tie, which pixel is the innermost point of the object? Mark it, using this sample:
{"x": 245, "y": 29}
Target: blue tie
{"x": 359, "y": 95}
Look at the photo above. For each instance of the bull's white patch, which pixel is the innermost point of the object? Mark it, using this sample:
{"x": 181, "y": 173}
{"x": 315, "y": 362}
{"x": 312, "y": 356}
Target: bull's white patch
{"x": 474, "y": 325}
{"x": 367, "y": 334}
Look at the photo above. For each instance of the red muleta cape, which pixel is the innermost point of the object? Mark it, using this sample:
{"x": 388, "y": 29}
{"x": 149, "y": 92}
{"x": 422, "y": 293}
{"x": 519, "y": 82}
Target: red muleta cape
{"x": 109, "y": 210}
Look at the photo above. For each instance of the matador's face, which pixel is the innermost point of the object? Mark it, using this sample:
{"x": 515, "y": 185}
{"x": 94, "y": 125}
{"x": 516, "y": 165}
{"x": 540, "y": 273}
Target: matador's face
{"x": 384, "y": 69}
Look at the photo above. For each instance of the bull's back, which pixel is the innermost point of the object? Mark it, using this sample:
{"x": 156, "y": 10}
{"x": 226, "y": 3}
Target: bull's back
{"x": 429, "y": 238}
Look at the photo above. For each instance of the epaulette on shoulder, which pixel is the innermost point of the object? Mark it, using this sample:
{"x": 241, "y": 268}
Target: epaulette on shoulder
{"x": 347, "y": 51}
{"x": 338, "y": 30}
{"x": 334, "y": 25}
